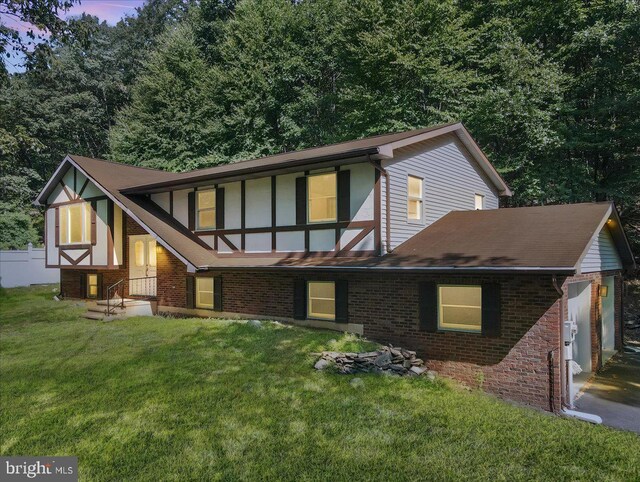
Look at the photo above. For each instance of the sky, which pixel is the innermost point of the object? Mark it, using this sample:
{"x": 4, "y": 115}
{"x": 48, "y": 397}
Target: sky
{"x": 109, "y": 10}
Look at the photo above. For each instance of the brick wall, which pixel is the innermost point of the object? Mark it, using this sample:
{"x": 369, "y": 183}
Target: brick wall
{"x": 514, "y": 366}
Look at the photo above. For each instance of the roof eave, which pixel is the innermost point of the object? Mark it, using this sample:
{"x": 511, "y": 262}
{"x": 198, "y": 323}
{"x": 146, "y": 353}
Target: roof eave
{"x": 560, "y": 270}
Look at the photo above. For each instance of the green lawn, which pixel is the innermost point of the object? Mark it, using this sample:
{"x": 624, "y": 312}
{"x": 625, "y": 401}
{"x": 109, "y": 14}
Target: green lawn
{"x": 187, "y": 399}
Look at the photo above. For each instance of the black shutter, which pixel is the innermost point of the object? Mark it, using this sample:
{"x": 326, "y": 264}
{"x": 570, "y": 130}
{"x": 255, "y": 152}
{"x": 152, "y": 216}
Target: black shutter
{"x": 300, "y": 299}
{"x": 220, "y": 208}
{"x": 344, "y": 195}
{"x": 428, "y": 306}
{"x": 301, "y": 200}
{"x": 100, "y": 288}
{"x": 57, "y": 231}
{"x": 190, "y": 291}
{"x": 191, "y": 198}
{"x": 342, "y": 301}
{"x": 217, "y": 293}
{"x": 491, "y": 309}
{"x": 94, "y": 207}
{"x": 83, "y": 285}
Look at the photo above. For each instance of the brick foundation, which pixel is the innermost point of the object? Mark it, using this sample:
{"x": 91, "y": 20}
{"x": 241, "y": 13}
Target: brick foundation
{"x": 523, "y": 364}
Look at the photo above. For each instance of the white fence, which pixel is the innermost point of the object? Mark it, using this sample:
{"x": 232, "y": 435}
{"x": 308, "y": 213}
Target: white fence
{"x": 25, "y": 267}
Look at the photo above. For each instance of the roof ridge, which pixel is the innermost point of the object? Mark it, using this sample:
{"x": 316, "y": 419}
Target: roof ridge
{"x": 420, "y": 130}
{"x": 74, "y": 156}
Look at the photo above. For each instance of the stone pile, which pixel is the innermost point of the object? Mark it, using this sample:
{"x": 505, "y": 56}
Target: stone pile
{"x": 389, "y": 359}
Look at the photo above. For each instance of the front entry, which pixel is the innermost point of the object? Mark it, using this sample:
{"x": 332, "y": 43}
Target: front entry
{"x": 142, "y": 265}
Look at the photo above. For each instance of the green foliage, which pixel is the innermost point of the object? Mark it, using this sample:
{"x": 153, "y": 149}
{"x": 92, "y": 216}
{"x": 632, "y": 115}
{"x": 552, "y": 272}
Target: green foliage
{"x": 194, "y": 399}
{"x": 17, "y": 230}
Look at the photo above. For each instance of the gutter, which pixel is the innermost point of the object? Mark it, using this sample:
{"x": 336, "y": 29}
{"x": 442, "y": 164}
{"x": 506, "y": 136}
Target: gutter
{"x": 396, "y": 269}
{"x": 387, "y": 209}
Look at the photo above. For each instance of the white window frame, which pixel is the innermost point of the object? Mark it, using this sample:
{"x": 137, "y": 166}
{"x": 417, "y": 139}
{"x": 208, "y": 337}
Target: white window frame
{"x": 324, "y": 220}
{"x": 198, "y": 291}
{"x": 198, "y": 209}
{"x": 89, "y": 285}
{"x": 320, "y": 316}
{"x": 86, "y": 224}
{"x": 451, "y": 327}
{"x": 475, "y": 200}
{"x": 420, "y": 199}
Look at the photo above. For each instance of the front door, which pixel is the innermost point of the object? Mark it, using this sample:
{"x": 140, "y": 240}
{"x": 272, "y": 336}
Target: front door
{"x": 580, "y": 311}
{"x": 608, "y": 319}
{"x": 142, "y": 265}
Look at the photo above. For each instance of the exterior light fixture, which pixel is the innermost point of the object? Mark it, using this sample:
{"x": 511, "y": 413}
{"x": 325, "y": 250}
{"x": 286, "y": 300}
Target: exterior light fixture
{"x": 603, "y": 291}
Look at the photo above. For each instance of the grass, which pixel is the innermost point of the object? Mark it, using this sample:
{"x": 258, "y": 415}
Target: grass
{"x": 190, "y": 399}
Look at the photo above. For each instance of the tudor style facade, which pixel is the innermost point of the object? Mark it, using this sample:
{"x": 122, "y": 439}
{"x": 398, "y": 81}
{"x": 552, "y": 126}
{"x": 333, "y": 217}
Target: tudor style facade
{"x": 397, "y": 237}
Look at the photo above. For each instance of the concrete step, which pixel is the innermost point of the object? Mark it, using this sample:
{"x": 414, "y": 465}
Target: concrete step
{"x": 97, "y": 309}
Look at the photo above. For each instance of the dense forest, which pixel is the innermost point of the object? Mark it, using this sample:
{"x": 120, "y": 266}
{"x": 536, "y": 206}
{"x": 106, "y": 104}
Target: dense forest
{"x": 550, "y": 89}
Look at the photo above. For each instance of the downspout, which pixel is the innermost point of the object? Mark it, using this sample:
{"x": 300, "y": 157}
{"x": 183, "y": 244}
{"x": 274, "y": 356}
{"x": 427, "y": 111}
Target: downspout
{"x": 387, "y": 214}
{"x": 568, "y": 412}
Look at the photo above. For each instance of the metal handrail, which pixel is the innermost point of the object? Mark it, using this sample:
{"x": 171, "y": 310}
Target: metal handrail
{"x": 148, "y": 288}
{"x": 114, "y": 288}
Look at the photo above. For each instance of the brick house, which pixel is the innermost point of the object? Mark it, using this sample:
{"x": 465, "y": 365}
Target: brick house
{"x": 396, "y": 237}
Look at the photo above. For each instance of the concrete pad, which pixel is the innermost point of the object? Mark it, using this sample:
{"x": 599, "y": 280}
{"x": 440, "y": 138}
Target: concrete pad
{"x": 614, "y": 393}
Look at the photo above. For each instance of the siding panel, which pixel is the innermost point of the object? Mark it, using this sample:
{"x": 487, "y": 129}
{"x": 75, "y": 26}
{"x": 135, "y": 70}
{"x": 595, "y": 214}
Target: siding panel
{"x": 602, "y": 255}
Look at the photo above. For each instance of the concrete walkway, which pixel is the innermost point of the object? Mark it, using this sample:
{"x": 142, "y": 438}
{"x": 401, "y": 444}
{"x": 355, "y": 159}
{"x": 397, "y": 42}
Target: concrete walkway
{"x": 614, "y": 393}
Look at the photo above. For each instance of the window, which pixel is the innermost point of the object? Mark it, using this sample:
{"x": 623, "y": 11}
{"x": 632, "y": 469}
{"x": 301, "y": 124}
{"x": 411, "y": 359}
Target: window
{"x": 206, "y": 209}
{"x": 322, "y": 197}
{"x": 479, "y": 201}
{"x": 321, "y": 300}
{"x": 204, "y": 293}
{"x": 75, "y": 223}
{"x": 92, "y": 286}
{"x": 414, "y": 198}
{"x": 460, "y": 308}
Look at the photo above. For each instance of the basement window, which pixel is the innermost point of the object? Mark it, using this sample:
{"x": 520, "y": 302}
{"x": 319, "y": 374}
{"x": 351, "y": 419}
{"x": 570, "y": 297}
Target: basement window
{"x": 92, "y": 286}
{"x": 204, "y": 293}
{"x": 206, "y": 209}
{"x": 460, "y": 308}
{"x": 321, "y": 300}
{"x": 414, "y": 198}
{"x": 75, "y": 223}
{"x": 323, "y": 198}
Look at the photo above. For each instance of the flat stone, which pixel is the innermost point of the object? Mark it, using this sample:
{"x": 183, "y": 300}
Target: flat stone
{"x": 397, "y": 368}
{"x": 383, "y": 360}
{"x": 321, "y": 364}
{"x": 431, "y": 375}
{"x": 418, "y": 370}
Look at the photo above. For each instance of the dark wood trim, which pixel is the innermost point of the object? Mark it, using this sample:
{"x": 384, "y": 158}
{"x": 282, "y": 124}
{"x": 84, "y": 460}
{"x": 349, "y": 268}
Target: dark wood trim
{"x": 110, "y": 233}
{"x": 358, "y": 237}
{"x": 294, "y": 227}
{"x": 71, "y": 247}
{"x": 377, "y": 214}
{"x": 75, "y": 182}
{"x": 76, "y": 261}
{"x": 84, "y": 186}
{"x": 171, "y": 203}
{"x": 66, "y": 191}
{"x": 273, "y": 212}
{"x": 76, "y": 201}
{"x": 243, "y": 206}
{"x": 226, "y": 241}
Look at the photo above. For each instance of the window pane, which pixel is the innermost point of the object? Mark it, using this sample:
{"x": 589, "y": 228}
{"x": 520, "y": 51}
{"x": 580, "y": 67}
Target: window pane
{"x": 64, "y": 225}
{"x": 461, "y": 295}
{"x": 139, "y": 252}
{"x": 321, "y": 290}
{"x": 206, "y": 199}
{"x": 75, "y": 223}
{"x": 415, "y": 187}
{"x": 322, "y": 308}
{"x": 207, "y": 219}
{"x": 322, "y": 197}
{"x": 479, "y": 201}
{"x": 414, "y": 209}
{"x": 152, "y": 252}
{"x": 204, "y": 292}
{"x": 461, "y": 318}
